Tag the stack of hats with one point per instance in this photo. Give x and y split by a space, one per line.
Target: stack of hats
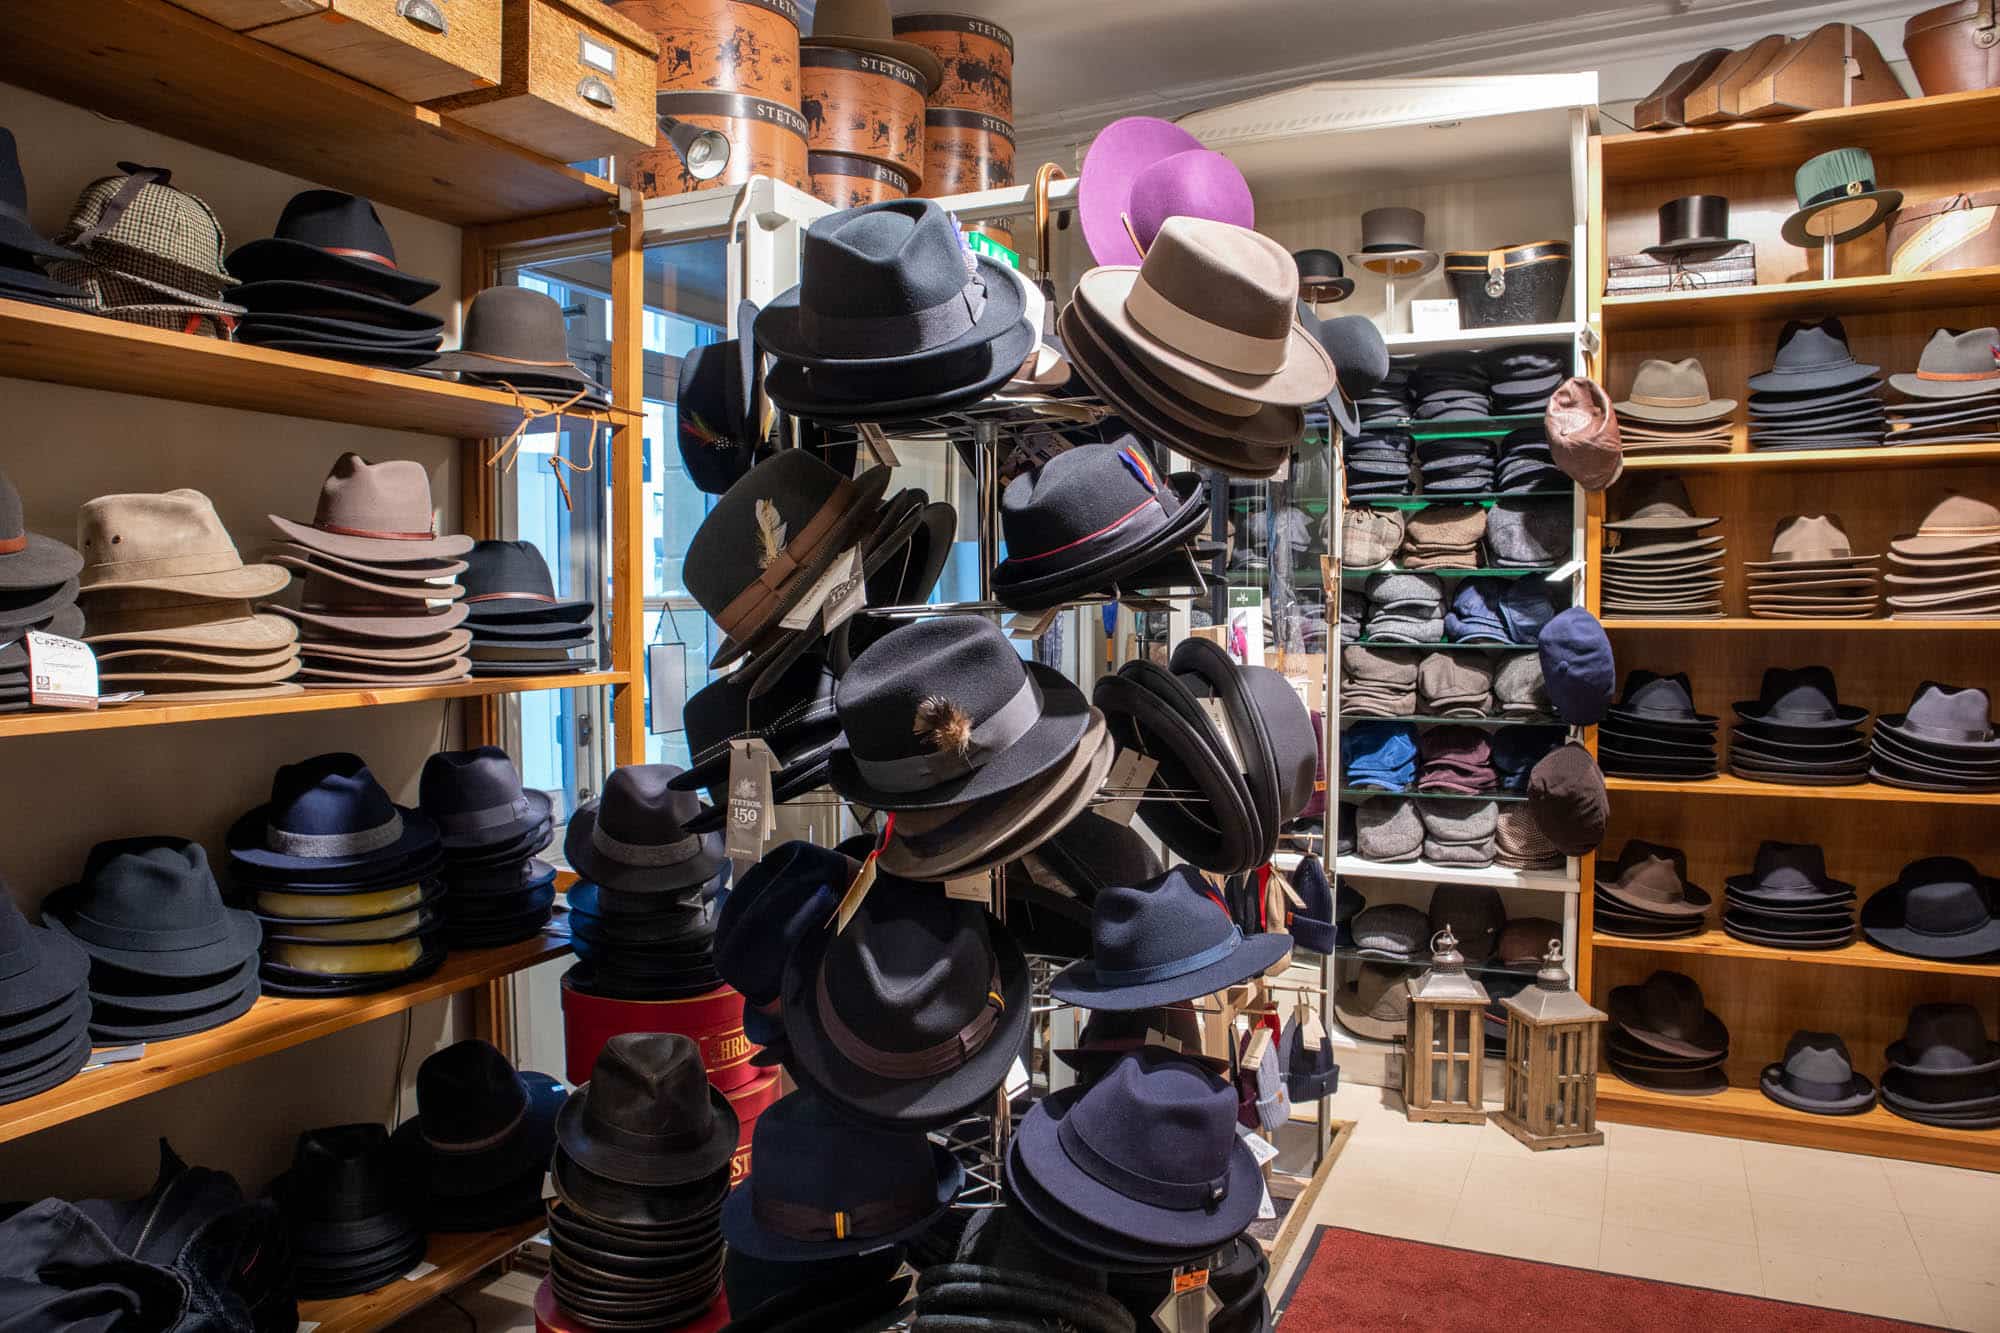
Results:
640 915
1520 844
1447 684
1516 751
1143 339
1374 1002
1663 1037
491 827
793 714
1524 376
1456 761
351 1221
1954 394
1379 756
1388 829
344 881
167 958
1224 799
516 338
1474 914
475 1153
1939 907
1527 463
1454 464
1817 1076
22 248
150 551
1946 1069
1450 386
1527 534
1949 568
519 626
1460 833
148 254
1813 573
1670 410
378 607
1653 731
1798 731
1788 901
1370 538
641 1170
1004 1276
1520 690
44 1005
1645 894
1403 608
1816 395
1352 608
325 283
1392 933
1945 741
1444 536
1661 565
38 591
1378 460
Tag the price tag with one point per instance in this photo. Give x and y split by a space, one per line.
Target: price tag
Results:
1260 1147
548 1186
62 673
1190 1306
1155 1037
116 1055
1266 1210
596 54
849 595
877 444
864 878
972 889
809 606
1131 771
1254 1049
751 820
420 1272
1311 1030
1219 715
1025 626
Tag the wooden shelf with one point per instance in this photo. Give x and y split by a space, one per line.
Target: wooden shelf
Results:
1821 460
88 351
1730 786
1752 623
1916 125
1499 335
1748 1113
272 1025
1793 300
454 1260
1713 943
180 75
142 714
1423 872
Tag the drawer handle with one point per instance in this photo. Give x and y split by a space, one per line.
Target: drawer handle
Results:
425 14
596 92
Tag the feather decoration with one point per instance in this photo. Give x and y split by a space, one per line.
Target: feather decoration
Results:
944 724
770 534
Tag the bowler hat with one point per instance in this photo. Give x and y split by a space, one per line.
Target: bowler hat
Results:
152 906
334 238
1162 942
1139 172
648 1116
1817 1075
1322 280
634 837
480 1126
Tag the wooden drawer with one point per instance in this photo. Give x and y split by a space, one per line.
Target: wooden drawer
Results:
577 82
242 14
419 50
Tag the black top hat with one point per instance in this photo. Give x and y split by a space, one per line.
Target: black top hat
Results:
476 799
38 967
1086 518
329 813
649 1115
1805 698
28 560
1818 1075
945 712
1163 942
509 581
634 837
1322 280
340 1197
1693 222
334 238
16 231
152 906
1939 907
805 1202
1812 354
479 1124
910 1016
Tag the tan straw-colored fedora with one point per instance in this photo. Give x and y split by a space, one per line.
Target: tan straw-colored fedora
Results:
172 542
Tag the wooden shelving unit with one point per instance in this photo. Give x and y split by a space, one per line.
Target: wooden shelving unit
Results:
452 1260
1929 148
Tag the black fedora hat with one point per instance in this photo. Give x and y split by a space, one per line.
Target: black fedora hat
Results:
1666 1013
1804 699
476 799
479 1123
509 582
1266 710
33 568
1948 721
1086 518
1651 699
1940 907
1945 1039
648 1116
823 1186
1817 1075
152 905
1322 279
334 238
905 573
910 1016
795 716
634 837
1692 222
1360 359
1148 708
517 334
138 994
1163 942
341 1199
329 813
38 967
945 712
288 296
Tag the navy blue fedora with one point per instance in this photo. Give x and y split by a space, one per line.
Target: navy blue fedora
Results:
1162 942
824 1186
779 901
38 967
634 838
327 813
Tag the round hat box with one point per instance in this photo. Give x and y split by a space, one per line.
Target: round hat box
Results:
552 1318
865 105
846 181
724 46
965 151
714 1022
978 60
749 1101
765 139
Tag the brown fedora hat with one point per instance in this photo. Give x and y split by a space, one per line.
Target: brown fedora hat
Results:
342 611
154 657
146 679
172 542
1218 304
418 589
379 569
419 650
375 512
149 619
323 678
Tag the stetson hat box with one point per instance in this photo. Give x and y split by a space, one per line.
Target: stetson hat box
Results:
978 59
714 1022
725 46
766 138
863 104
1514 284
847 181
1962 231
965 151
750 1100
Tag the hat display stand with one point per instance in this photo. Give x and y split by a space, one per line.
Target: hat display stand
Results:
1849 596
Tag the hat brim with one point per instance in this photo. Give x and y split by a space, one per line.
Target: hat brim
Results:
744 1232
1078 984
240 937
1151 713
1710 1042
33 1045
1883 922
1325 291
245 845
1103 570
44 563
258 633
362 354
31 605
317 327
109 1025
1065 1233
300 983
283 296
1306 375
166 999
1715 409
1849 375
779 332
1208 664
1119 154
418 589
433 623
372 550
1796 227
281 258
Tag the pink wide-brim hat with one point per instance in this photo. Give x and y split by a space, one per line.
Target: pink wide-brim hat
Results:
1149 170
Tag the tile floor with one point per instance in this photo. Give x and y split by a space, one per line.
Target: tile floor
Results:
1899 1239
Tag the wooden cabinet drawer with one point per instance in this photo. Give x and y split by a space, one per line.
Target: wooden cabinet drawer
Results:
577 82
242 14
419 50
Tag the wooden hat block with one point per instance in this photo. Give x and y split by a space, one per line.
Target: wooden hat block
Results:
1714 102
1813 74
1665 108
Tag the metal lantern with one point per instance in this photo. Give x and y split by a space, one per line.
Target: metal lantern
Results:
1551 1097
1447 1040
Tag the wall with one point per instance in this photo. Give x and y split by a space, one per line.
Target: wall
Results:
63 793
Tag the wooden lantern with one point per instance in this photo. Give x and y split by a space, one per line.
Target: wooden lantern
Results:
1447 1040
1551 1097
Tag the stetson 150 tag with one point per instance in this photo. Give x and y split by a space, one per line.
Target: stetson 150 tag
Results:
816 598
1130 773
750 820
877 443
850 594
62 673
975 888
1219 715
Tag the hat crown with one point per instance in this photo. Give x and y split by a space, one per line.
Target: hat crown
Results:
1946 1037
1818 1057
455 781
1809 345
1392 229
1658 696
335 221
1079 495
871 1165
149 884
651 1084
1959 713
506 569
328 794
1945 905
638 807
1671 1004
15 934
913 969
1837 168
181 526
1660 497
467 1093
1226 275
891 697
1195 183
1951 352
1811 537
1789 866
387 499
1961 515
156 219
1397 926
726 554
1318 265
1694 215
1807 694
340 1173
1161 921
1670 383
883 261
1159 1117
516 322
1653 878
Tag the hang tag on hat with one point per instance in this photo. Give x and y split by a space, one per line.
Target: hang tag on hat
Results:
876 442
1130 772
1155 1037
975 888
1026 626
62 673
750 820
864 878
116 1055
1285 883
548 1186
1260 1147
1311 1030
1253 1050
1190 1306
420 1272
1219 715
820 595
849 595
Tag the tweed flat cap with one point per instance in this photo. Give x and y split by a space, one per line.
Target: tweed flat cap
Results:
1518 686
1519 842
1418 591
1528 533
1388 828
1470 855
1385 666
1445 525
1369 537
1459 821
1455 683
1391 928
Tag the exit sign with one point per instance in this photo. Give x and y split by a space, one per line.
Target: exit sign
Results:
982 244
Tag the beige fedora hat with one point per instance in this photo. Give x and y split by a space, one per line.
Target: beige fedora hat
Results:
1809 542
448 644
1192 404
419 589
1956 525
156 620
171 542
1673 391
379 513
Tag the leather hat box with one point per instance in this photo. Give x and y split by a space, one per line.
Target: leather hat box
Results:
420 51
1962 231
1955 48
1515 284
1812 73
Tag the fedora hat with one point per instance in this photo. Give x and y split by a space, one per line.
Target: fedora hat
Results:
1653 879
334 238
1110 1034
1162 942
1801 699
1957 525
328 813
1666 1013
1787 873
634 837
152 906
507 583
1955 364
648 1116
1673 391
904 573
378 513
865 25
1947 721
1838 199
1808 542
1939 907
479 1126
17 229
1139 172
1944 1040
39 967
910 1016
171 542
348 1220
29 562
1660 504
794 715
1322 280
1812 357
517 334
174 622
1360 359
1086 518
476 799
1375 1003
